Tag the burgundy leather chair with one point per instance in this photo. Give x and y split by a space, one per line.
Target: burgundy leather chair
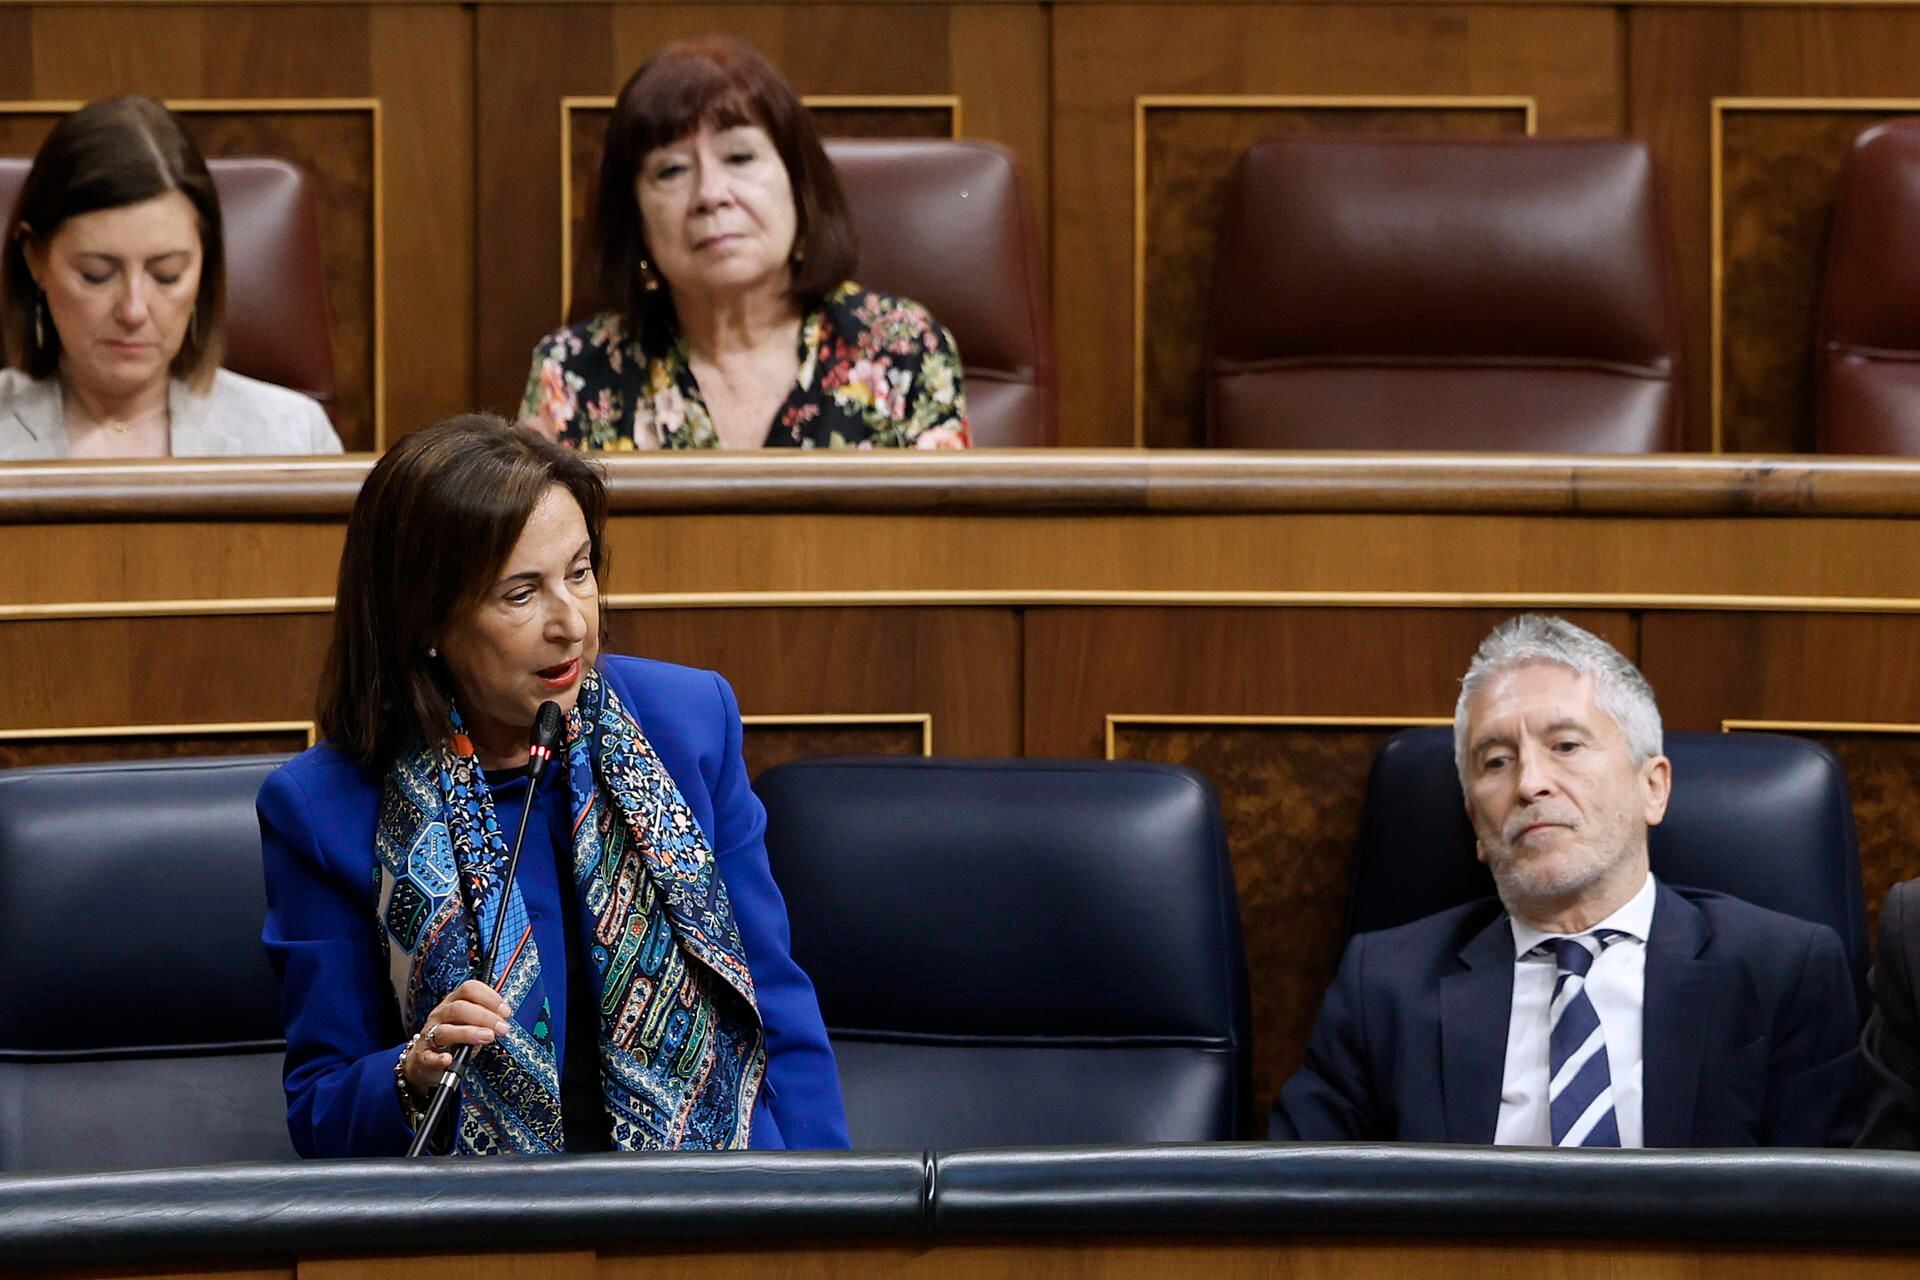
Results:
277 327
1868 348
947 224
1509 295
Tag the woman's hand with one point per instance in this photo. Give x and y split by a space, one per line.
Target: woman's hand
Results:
473 1013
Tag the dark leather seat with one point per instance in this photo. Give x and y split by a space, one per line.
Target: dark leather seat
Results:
1758 816
277 327
1444 294
947 224
1017 951
1868 349
139 1019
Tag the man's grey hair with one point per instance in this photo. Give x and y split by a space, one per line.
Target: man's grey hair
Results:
1619 688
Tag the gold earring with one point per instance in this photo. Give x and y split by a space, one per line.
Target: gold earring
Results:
799 253
648 281
40 322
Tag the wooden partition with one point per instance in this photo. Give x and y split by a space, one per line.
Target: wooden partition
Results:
455 146
1352 1259
1266 619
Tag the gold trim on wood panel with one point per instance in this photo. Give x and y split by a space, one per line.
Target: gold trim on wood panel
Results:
207 729
1816 726
1114 722
1018 597
312 106
1717 211
779 721
237 607
1143 103
569 103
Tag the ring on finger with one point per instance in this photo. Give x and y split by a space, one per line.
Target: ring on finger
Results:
433 1037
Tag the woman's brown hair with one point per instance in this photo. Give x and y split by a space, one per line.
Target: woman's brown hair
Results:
723 83
436 519
106 155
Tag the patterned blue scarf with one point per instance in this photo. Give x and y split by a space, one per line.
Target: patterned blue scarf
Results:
682 1051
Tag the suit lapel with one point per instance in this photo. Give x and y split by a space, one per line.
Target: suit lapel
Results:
1474 1013
37 422
1679 1000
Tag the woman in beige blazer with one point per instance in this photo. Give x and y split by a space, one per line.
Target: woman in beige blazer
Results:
112 290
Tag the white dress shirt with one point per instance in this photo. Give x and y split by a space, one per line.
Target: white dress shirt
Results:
1616 985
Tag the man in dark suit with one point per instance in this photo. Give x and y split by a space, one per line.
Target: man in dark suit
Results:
1891 1046
1590 1005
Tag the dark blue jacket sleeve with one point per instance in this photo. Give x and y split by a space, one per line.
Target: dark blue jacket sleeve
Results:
1813 1075
1327 1098
343 1034
802 1081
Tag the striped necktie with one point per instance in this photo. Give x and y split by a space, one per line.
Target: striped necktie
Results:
1580 1087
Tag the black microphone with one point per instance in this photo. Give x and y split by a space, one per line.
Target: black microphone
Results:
548 724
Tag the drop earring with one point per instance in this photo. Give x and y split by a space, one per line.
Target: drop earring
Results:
40 322
648 280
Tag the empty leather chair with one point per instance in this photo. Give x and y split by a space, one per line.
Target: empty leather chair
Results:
1868 348
139 1018
1014 952
1754 815
277 327
946 224
1444 294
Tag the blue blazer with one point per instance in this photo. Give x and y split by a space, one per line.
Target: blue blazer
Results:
317 819
1750 1031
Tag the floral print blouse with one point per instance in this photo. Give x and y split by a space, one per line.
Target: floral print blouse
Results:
875 372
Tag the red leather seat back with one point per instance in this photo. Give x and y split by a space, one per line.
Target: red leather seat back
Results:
1868 350
277 327
947 224
1445 294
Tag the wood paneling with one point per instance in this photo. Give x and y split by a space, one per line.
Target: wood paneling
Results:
961 666
1680 58
1817 670
424 74
768 745
1779 173
1106 56
845 49
468 1266
134 671
1189 151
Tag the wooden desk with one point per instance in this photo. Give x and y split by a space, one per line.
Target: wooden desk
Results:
1267 619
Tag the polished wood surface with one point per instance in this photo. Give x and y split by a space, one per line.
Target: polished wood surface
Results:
1015 482
1265 619
1279 1259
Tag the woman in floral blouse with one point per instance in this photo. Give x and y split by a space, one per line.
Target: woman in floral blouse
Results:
725 237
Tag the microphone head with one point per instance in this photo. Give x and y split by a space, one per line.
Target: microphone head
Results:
549 722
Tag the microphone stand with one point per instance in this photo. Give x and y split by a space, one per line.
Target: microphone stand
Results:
546 734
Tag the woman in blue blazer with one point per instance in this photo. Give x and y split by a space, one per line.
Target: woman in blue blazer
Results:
644 996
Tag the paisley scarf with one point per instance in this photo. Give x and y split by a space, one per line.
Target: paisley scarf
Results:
682 1050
